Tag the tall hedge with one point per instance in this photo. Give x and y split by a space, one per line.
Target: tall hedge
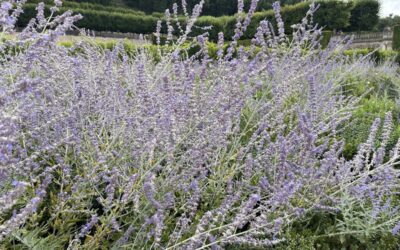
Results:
106 21
102 20
210 8
364 15
396 38
104 2
332 14
326 37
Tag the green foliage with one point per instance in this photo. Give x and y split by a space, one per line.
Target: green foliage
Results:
355 225
358 129
380 94
396 38
364 15
389 21
36 239
379 55
332 14
150 6
103 2
326 37
102 20
267 4
100 7
211 7
106 21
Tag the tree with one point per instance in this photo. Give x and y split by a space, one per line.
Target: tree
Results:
396 37
389 21
364 15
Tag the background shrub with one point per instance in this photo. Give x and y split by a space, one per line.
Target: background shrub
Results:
396 37
326 37
364 15
332 15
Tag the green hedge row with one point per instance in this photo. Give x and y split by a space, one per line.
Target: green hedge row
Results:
104 2
326 38
90 5
332 14
210 7
102 20
364 15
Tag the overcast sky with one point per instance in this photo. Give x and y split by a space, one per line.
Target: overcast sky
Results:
390 7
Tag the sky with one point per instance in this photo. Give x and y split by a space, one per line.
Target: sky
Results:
390 7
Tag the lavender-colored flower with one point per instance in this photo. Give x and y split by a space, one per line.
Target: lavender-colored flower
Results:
396 229
124 239
281 27
128 188
6 6
88 226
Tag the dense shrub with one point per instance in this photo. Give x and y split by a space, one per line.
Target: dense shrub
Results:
388 22
74 2
101 149
326 37
396 38
103 2
267 4
102 20
331 15
211 7
92 6
364 15
150 6
214 8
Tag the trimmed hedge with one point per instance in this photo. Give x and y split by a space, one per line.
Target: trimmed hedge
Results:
106 21
377 55
103 2
99 7
102 20
396 38
326 37
364 15
332 14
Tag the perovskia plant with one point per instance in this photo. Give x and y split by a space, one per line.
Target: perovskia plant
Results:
99 149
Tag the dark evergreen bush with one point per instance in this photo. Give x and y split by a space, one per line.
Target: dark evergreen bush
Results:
396 38
364 15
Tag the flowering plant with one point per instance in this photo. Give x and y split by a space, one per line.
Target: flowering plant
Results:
99 149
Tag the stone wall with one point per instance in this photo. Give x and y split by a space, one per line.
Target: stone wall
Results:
375 40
